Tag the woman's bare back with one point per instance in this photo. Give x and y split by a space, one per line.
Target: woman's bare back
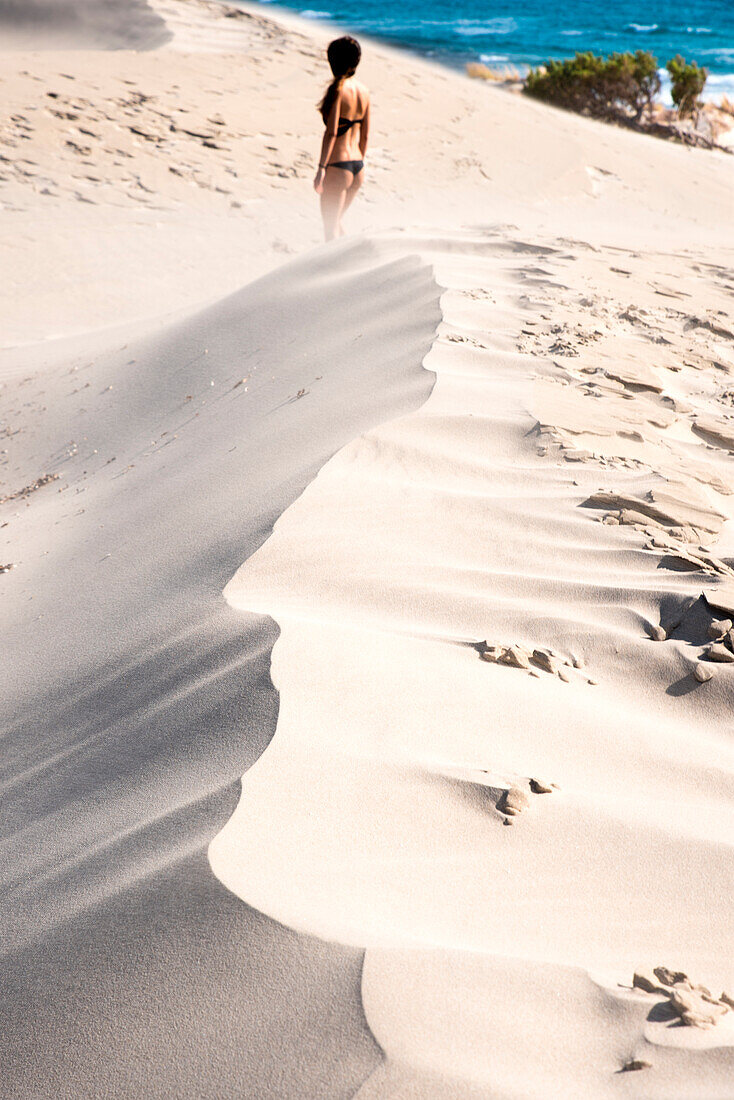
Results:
353 104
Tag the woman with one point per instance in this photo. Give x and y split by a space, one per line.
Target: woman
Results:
345 110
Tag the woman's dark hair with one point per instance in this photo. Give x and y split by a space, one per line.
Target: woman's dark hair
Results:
343 54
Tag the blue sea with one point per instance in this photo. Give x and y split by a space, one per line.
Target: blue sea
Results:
508 32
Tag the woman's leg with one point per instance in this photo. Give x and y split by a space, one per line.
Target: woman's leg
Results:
352 190
336 183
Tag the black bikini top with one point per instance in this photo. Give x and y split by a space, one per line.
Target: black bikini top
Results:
346 124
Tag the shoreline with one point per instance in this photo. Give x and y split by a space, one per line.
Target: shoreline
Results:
457 61
664 125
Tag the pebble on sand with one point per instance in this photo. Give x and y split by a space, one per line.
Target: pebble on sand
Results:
513 801
718 628
701 673
647 984
537 786
693 1004
634 1064
544 660
518 658
720 653
669 977
695 1008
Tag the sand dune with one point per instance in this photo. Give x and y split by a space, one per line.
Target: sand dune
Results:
367 724
396 744
136 698
81 24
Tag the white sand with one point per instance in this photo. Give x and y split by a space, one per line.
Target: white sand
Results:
136 698
585 343
376 799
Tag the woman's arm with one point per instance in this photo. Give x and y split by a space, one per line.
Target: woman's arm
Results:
364 130
327 145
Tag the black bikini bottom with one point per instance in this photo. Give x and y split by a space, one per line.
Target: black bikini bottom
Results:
353 166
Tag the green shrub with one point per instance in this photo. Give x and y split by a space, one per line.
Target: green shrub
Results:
686 84
622 85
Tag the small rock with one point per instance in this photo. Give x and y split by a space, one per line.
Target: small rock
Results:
718 652
629 516
669 977
657 633
693 1009
725 999
492 653
579 662
506 821
545 661
518 658
594 683
646 983
534 673
701 673
513 801
634 1064
538 787
718 628
564 676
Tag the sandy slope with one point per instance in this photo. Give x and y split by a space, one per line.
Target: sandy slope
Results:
136 698
84 24
396 742
585 344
